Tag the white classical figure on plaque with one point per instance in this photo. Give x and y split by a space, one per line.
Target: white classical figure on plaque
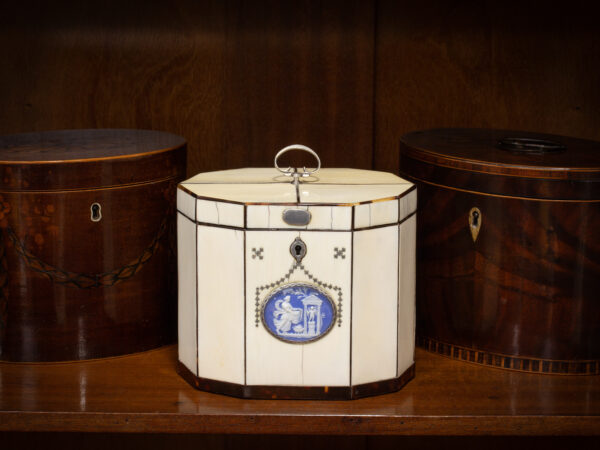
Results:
312 315
285 315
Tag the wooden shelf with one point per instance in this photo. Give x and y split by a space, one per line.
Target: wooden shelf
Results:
142 393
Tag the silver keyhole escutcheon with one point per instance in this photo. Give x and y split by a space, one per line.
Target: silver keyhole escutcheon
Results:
298 249
96 212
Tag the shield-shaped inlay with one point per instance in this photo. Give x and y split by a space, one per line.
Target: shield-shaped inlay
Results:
298 313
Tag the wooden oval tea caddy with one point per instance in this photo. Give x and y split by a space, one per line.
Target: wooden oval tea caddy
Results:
515 286
87 255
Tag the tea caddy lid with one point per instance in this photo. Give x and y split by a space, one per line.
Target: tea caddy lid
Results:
88 159
297 186
503 162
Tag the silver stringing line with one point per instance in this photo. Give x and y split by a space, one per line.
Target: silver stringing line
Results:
296 182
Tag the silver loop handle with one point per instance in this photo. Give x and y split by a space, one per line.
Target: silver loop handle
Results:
289 171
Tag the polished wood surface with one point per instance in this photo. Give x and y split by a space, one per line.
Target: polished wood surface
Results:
89 145
523 295
143 393
73 288
87 159
481 150
549 189
472 160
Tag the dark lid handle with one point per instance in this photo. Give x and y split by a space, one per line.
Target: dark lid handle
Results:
529 145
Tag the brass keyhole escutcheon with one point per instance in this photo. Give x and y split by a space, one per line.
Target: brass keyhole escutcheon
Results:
474 222
95 212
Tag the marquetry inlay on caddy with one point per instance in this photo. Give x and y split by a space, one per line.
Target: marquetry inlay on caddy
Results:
491 359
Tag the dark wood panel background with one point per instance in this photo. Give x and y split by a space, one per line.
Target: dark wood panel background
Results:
490 64
241 79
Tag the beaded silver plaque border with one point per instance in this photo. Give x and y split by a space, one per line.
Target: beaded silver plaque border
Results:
298 284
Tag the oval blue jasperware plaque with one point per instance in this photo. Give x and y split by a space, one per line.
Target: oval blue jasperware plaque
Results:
298 313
